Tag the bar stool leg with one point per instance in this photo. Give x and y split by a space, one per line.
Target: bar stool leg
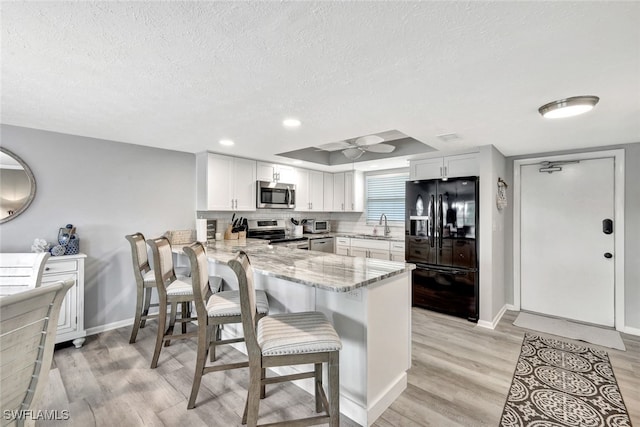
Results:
136 322
317 385
162 320
334 388
147 304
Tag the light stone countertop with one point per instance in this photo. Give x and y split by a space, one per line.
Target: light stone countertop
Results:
332 272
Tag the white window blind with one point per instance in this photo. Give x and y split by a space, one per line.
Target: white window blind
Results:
385 195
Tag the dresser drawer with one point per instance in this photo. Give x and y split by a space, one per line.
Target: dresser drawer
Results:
55 266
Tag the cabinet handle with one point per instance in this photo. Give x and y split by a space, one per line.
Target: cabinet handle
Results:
445 171
342 206
47 268
311 205
441 174
231 203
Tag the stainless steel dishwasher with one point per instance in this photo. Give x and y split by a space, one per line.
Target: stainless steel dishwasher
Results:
324 244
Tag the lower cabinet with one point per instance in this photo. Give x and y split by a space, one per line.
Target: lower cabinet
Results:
370 248
71 320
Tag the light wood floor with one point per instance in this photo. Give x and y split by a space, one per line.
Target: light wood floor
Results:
460 375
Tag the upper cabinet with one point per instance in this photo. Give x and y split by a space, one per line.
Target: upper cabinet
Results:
445 167
225 183
274 172
310 191
348 192
328 191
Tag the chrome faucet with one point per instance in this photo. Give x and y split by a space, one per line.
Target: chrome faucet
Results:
387 230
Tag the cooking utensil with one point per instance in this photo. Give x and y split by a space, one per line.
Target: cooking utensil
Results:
294 222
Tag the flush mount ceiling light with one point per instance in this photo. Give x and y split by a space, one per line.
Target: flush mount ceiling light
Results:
568 107
226 142
291 123
369 143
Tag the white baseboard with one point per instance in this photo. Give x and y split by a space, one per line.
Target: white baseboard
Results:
631 330
512 307
495 321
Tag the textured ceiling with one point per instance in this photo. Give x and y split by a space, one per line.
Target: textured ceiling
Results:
182 75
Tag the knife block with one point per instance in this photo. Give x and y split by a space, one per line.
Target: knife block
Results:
228 235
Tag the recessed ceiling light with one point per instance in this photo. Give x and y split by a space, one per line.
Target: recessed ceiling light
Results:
291 123
568 107
226 142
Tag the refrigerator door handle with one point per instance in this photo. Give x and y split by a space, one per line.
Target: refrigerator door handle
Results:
440 270
432 221
440 224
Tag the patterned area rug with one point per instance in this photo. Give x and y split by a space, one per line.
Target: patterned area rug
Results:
557 383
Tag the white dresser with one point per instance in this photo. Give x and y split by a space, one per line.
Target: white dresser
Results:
71 320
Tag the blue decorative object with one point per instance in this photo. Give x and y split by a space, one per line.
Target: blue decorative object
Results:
68 240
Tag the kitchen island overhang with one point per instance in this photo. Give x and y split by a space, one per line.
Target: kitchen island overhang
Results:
367 300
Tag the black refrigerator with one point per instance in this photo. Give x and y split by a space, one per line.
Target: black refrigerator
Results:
441 236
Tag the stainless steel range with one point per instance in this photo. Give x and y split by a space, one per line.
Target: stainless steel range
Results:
275 231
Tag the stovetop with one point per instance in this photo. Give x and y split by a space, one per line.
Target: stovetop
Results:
273 230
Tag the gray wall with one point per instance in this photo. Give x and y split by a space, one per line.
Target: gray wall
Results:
631 232
106 189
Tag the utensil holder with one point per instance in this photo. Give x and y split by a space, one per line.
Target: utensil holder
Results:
229 235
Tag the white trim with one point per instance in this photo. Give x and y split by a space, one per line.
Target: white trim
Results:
631 331
512 307
495 321
618 160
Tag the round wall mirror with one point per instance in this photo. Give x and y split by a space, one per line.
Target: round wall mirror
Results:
17 185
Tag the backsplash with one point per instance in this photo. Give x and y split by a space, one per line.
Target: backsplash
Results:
341 222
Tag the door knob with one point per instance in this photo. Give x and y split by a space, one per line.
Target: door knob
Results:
608 255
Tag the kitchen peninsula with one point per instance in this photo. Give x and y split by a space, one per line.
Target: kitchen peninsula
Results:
367 300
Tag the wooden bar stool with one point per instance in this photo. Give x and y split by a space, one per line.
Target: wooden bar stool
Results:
218 308
145 283
172 292
283 340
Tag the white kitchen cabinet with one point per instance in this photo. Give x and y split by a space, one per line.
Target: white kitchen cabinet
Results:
445 167
342 245
369 248
275 172
71 320
328 192
396 251
225 183
348 192
310 191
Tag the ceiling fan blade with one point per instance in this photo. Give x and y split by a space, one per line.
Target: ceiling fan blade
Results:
380 148
368 140
334 146
353 153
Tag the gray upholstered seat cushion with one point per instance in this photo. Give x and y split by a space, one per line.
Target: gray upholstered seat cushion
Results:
180 287
295 333
227 303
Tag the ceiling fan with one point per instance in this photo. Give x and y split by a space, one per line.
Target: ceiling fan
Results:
371 143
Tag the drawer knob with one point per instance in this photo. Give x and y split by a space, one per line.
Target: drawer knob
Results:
47 269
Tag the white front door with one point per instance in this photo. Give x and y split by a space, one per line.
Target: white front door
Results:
566 270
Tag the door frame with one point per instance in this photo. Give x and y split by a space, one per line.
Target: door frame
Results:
618 183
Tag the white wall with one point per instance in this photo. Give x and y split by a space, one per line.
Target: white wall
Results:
491 237
631 232
107 190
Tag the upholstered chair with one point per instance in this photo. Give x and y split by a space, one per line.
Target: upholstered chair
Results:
28 327
214 309
172 291
283 340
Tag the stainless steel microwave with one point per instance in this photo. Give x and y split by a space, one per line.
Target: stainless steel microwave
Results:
316 226
275 195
